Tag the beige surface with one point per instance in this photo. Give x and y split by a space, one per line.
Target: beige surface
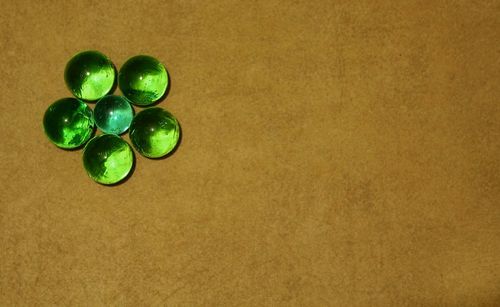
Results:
337 153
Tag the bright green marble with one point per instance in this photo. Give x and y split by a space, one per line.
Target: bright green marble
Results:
154 132
89 75
68 123
108 159
143 80
113 114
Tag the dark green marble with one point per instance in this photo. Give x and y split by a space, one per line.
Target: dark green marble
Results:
108 159
89 75
68 123
143 80
154 132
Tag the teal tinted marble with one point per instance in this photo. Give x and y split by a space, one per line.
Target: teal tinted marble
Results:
113 114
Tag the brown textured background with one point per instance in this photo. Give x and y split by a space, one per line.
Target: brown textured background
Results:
339 153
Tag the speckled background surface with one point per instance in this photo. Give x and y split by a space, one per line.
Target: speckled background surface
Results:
334 153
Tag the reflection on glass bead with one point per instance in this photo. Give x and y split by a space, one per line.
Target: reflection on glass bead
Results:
143 80
68 123
113 114
108 159
154 132
89 75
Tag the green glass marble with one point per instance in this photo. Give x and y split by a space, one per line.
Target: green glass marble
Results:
89 75
143 80
154 132
108 159
68 123
113 114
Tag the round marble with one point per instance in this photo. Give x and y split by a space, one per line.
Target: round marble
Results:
108 159
89 75
68 123
143 80
113 114
154 132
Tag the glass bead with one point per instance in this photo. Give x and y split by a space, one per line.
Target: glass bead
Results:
154 132
143 80
108 159
68 123
113 114
89 75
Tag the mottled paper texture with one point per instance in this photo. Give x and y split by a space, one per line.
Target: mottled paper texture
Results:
334 153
